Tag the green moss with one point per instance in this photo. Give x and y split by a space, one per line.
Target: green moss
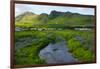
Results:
79 51
83 55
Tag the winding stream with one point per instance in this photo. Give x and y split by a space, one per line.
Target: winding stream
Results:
56 53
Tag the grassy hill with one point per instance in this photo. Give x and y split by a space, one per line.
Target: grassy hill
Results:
28 19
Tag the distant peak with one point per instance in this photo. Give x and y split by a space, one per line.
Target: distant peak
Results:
68 12
43 14
54 11
28 13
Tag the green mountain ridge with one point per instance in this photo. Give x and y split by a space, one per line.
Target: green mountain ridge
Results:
55 17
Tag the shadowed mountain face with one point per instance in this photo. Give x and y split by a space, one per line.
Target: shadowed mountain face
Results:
55 17
55 14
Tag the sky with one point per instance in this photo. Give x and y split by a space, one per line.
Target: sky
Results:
38 9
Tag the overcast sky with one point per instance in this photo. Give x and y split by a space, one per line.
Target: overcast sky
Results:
38 9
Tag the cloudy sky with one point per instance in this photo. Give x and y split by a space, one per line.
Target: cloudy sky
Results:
38 9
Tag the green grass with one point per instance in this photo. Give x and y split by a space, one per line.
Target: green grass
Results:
29 54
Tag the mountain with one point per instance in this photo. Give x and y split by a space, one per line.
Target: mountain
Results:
71 18
26 19
55 14
18 18
55 17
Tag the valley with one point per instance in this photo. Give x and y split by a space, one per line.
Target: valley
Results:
65 34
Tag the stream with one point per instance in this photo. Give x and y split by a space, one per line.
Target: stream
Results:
56 53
